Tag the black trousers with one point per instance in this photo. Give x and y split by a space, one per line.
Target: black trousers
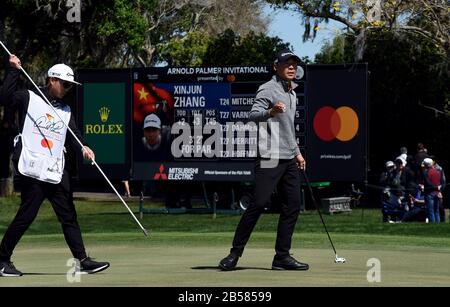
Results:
33 193
287 177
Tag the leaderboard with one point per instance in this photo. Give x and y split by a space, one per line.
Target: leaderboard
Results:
210 106
205 128
202 118
219 112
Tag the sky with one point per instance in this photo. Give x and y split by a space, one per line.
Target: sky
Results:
288 26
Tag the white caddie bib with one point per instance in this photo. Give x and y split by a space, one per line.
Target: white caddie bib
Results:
43 137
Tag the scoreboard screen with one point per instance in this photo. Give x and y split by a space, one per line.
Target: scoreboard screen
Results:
192 123
204 128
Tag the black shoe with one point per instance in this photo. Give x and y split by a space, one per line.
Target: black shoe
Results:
89 266
288 263
7 269
229 262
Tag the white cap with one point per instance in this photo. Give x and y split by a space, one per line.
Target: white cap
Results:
427 162
63 72
152 120
389 164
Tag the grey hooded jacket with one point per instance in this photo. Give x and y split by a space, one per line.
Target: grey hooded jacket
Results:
267 96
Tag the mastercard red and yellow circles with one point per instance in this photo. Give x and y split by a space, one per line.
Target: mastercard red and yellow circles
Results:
341 124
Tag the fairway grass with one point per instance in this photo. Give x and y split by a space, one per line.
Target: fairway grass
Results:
190 260
183 250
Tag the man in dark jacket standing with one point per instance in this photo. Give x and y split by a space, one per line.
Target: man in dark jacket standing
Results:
39 159
275 104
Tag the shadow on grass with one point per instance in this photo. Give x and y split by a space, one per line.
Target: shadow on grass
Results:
216 268
44 274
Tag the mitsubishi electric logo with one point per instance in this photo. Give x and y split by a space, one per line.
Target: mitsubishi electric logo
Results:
161 175
104 128
176 173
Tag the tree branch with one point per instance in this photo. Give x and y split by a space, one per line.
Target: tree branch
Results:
329 15
419 31
436 18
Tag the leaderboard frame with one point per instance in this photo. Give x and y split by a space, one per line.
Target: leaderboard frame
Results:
199 104
195 99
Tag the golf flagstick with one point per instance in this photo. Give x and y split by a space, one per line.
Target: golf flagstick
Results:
336 259
79 142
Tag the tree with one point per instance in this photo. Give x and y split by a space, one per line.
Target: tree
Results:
407 46
340 50
122 33
45 36
241 17
229 48
186 51
427 18
119 33
232 49
406 73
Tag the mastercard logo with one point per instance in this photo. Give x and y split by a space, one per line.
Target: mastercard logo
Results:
341 124
231 78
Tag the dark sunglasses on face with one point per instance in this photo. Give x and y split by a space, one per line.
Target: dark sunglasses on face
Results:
289 64
67 85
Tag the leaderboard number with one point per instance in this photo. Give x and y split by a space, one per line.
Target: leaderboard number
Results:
224 115
243 296
224 101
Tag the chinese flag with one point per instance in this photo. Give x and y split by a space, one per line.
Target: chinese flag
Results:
149 99
143 103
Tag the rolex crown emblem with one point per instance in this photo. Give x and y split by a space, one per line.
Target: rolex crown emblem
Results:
104 114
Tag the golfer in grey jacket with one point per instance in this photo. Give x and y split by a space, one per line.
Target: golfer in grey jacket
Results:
278 164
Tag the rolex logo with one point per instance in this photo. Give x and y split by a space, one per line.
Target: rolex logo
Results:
104 128
104 114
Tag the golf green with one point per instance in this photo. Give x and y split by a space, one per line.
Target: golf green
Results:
190 260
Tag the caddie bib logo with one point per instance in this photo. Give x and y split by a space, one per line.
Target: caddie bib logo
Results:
43 137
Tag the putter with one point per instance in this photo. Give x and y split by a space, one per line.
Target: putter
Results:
79 142
337 259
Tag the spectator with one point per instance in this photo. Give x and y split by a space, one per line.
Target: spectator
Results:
126 186
421 154
403 177
417 210
434 179
403 154
387 175
440 195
